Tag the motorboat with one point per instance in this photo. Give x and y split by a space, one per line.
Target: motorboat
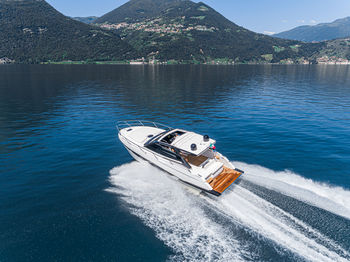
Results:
188 156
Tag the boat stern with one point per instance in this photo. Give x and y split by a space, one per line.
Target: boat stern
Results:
224 180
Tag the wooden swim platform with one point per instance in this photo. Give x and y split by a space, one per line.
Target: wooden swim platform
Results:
224 180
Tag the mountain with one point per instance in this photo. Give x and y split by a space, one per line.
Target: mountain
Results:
162 30
137 10
32 31
327 31
86 20
187 31
334 50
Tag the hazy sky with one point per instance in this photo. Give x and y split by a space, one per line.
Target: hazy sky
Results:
257 15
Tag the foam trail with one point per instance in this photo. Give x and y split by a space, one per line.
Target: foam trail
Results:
179 219
270 221
163 205
333 199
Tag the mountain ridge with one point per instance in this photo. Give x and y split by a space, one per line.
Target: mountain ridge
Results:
179 31
33 31
337 29
185 30
85 19
135 10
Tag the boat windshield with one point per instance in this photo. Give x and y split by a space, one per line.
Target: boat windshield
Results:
155 138
169 139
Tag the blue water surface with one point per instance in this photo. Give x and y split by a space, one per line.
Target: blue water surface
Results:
58 143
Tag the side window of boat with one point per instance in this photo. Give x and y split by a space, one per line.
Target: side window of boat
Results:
154 147
164 151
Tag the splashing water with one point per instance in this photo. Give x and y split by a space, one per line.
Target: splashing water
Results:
332 199
177 220
182 221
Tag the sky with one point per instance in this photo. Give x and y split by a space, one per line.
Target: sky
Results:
263 16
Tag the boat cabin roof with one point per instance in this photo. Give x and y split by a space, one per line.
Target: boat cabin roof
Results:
189 142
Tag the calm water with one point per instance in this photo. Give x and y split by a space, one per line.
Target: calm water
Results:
70 192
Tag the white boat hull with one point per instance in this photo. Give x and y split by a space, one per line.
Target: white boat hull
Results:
170 167
203 169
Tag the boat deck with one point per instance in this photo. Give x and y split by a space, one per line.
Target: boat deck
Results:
195 160
224 180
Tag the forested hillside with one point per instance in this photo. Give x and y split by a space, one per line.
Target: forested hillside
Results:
179 31
32 31
184 30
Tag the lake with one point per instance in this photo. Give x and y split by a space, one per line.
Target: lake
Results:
69 191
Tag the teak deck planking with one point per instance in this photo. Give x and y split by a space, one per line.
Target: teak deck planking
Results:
195 160
224 180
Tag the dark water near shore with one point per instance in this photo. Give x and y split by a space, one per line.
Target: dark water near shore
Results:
70 192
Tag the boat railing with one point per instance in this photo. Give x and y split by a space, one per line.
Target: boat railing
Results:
132 123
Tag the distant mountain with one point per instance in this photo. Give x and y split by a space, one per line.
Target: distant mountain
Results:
187 31
327 31
32 31
86 20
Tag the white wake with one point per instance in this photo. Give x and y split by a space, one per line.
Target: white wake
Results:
332 199
164 205
181 222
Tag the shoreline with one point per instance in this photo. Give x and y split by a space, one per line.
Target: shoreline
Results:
166 63
171 63
174 62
